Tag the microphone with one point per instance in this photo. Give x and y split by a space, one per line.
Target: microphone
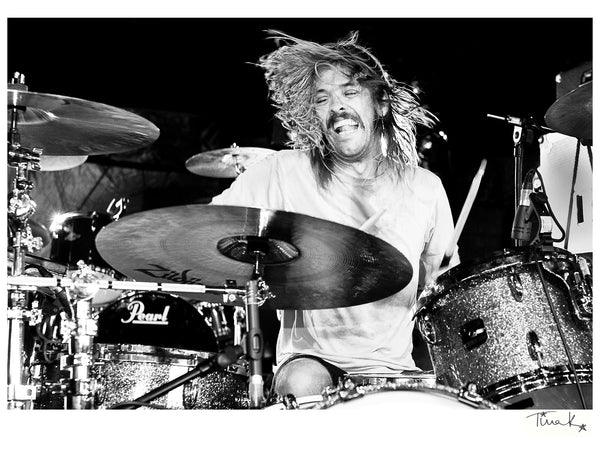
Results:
522 224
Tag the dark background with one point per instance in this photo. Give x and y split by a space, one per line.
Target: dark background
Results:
195 80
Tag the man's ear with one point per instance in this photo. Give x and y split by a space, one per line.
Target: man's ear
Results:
384 106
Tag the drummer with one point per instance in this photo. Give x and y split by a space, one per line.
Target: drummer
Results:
352 161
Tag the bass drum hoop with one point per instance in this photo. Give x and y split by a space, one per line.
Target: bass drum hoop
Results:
341 395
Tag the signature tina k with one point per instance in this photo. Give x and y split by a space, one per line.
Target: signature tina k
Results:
549 419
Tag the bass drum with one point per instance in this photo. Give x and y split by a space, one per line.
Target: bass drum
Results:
73 240
147 339
489 323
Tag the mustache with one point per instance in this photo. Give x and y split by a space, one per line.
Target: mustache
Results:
333 117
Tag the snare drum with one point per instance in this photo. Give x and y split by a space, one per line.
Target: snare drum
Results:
147 339
489 323
73 240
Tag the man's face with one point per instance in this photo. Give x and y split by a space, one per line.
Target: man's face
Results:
347 113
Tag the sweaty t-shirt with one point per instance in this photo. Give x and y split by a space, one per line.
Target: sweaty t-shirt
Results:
412 214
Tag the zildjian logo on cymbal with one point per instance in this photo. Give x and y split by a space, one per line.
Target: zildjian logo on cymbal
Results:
171 275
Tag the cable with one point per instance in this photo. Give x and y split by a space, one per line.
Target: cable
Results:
561 333
550 210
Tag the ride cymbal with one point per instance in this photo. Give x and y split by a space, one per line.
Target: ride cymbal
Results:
308 263
571 114
67 126
226 162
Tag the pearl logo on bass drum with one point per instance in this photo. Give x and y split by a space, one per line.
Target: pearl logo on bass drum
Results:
138 316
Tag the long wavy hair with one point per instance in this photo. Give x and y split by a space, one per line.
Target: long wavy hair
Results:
291 72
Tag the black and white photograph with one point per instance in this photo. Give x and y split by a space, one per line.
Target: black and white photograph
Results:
381 215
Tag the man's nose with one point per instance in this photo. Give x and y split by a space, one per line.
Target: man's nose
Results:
337 103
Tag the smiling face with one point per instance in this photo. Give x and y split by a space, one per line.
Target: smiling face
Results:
347 113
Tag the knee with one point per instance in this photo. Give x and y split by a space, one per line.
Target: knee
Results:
302 377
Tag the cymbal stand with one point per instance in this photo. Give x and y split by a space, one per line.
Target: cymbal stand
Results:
239 168
21 207
80 388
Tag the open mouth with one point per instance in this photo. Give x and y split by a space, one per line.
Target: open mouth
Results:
344 126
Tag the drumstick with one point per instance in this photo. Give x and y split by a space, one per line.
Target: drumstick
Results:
466 209
371 220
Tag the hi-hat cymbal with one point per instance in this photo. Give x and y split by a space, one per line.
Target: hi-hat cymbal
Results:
226 162
309 263
571 114
67 126
56 163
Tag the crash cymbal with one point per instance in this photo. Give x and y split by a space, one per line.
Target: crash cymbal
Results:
571 114
226 162
309 263
67 126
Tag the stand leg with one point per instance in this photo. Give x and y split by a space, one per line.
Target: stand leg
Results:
20 394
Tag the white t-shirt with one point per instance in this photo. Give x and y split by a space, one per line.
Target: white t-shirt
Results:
414 216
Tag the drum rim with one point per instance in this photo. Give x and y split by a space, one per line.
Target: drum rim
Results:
121 352
535 380
334 397
452 280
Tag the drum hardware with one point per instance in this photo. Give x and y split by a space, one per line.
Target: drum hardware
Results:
226 162
80 333
535 348
239 320
515 284
512 392
214 315
349 394
21 207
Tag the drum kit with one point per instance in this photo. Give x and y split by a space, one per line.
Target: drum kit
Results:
128 312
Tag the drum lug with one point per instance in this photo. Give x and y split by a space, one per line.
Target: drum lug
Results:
516 285
427 329
290 402
469 395
535 348
473 333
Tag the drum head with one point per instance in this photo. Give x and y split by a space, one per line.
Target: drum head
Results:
73 238
155 319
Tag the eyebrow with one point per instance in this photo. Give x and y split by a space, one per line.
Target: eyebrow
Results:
347 84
